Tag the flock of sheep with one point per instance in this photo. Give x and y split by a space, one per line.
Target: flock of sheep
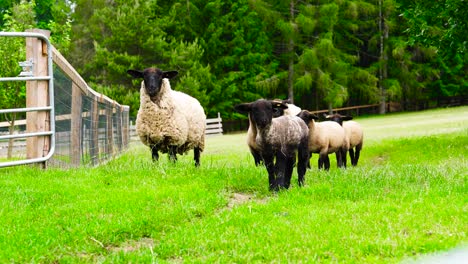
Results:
174 122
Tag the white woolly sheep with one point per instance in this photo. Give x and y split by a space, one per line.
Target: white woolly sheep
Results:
278 138
324 138
252 131
168 121
354 136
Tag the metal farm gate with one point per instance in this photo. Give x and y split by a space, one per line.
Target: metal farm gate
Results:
40 117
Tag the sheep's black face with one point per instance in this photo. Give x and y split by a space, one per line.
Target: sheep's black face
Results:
262 112
153 78
338 118
307 117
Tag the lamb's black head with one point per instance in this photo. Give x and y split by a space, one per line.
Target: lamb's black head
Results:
261 111
307 116
279 111
338 118
153 78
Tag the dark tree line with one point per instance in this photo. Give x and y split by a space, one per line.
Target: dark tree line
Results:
321 54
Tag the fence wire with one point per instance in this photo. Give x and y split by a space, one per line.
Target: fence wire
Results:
103 129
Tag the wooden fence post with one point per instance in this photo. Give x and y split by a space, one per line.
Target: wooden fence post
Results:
110 129
37 94
76 125
94 144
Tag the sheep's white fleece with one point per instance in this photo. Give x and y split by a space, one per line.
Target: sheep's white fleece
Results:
354 134
292 110
172 118
325 137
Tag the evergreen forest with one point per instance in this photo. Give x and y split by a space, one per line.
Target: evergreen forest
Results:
322 54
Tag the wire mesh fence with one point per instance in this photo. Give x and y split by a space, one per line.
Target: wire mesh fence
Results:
89 127
94 132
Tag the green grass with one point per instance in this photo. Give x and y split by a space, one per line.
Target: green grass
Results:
407 198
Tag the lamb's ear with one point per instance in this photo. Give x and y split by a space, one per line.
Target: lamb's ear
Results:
170 74
135 73
313 116
276 104
346 118
243 108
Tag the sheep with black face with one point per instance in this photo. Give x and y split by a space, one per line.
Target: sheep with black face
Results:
168 121
252 131
324 138
278 139
354 136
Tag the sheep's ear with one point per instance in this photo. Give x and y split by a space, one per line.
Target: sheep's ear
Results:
312 116
327 116
243 108
346 118
276 104
170 74
135 73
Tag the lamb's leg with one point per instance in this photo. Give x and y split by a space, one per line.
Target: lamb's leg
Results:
308 160
280 169
343 157
196 156
268 159
173 153
358 152
352 157
325 161
154 153
257 157
302 163
339 161
290 161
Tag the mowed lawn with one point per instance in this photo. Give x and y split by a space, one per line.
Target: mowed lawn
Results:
406 199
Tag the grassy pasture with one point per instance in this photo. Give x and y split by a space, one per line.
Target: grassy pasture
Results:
406 198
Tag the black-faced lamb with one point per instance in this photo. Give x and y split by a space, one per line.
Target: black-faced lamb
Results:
252 131
354 136
278 138
324 138
168 121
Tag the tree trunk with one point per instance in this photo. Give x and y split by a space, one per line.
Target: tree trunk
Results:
383 63
291 58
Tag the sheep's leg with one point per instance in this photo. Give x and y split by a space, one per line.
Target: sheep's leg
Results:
268 159
351 156
308 160
196 156
358 152
338 158
173 153
290 161
320 162
280 169
257 157
343 157
302 163
324 161
154 153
